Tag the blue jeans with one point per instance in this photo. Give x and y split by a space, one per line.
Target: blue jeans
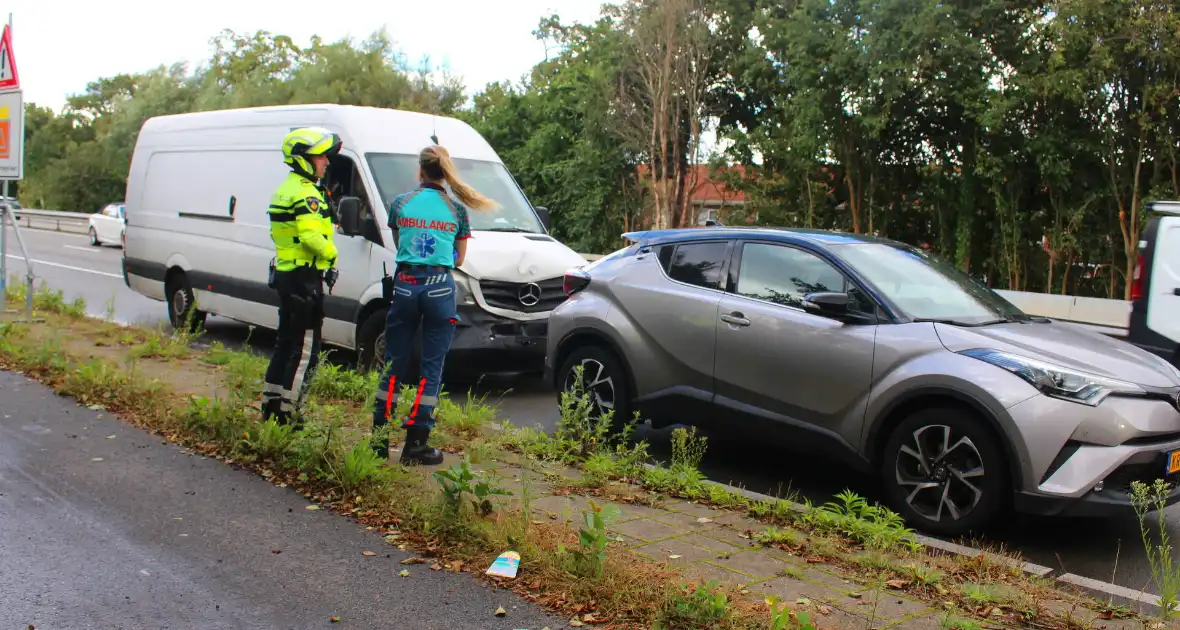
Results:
425 297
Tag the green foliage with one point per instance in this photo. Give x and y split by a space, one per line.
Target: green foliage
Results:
781 617
581 435
588 559
875 526
270 440
78 158
1165 570
333 382
45 300
467 419
701 606
359 466
461 485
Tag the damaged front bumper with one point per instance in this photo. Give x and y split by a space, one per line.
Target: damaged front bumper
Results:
499 344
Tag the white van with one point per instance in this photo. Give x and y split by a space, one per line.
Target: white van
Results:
197 227
1155 287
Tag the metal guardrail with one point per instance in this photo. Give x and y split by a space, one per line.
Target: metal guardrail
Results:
55 220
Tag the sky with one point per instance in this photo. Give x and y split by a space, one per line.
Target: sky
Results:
61 45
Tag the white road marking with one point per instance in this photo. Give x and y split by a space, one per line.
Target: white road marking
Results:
70 267
88 250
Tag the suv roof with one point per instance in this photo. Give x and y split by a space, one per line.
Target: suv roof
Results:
828 237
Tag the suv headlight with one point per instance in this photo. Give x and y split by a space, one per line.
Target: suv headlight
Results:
1056 381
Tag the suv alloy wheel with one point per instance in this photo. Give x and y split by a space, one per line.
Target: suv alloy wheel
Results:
944 471
603 380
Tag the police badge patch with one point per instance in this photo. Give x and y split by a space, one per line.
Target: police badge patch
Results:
313 204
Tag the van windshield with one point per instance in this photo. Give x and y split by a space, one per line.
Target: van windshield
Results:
398 173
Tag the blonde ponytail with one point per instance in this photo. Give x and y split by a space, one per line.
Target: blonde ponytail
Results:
436 163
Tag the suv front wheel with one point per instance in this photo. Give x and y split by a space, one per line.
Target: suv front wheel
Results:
603 380
944 471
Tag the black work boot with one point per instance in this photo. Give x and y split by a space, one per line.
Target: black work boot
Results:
416 451
273 410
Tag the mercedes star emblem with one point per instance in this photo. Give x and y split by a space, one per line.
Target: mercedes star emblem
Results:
529 294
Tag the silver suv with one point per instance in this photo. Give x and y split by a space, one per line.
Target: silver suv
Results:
876 353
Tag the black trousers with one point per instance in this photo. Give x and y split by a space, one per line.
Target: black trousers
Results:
297 347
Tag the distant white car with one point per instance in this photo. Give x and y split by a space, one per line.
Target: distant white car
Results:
15 206
107 225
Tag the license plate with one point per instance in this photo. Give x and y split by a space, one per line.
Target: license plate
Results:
1173 462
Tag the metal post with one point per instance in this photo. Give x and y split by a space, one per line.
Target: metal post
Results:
4 251
4 215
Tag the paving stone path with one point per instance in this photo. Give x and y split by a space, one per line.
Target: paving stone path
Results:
712 544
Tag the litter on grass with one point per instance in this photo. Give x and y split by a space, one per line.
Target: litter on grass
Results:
506 565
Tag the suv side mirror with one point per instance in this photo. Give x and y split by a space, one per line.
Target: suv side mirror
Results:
826 303
543 215
350 216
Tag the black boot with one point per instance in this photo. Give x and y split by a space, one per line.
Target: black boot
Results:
416 450
273 410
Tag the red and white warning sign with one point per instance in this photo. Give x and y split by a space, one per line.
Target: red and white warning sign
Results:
9 77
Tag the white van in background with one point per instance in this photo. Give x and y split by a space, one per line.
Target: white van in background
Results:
1155 287
197 226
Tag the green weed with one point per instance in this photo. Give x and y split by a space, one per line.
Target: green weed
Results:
700 606
1165 571
359 467
270 440
875 526
588 559
332 382
781 617
460 486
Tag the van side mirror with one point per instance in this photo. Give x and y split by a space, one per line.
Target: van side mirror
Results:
543 215
830 304
350 216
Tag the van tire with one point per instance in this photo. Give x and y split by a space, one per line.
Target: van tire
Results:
179 295
371 347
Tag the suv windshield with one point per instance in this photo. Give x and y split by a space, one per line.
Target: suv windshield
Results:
398 173
927 288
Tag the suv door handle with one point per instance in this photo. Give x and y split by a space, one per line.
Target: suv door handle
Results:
735 318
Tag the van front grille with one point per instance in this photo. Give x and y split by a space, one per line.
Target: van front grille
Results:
542 296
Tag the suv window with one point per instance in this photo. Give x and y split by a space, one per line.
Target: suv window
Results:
697 264
783 275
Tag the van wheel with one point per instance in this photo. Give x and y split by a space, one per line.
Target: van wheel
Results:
603 380
944 472
94 242
180 301
371 348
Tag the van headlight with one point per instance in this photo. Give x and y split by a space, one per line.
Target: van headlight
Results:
1056 381
463 294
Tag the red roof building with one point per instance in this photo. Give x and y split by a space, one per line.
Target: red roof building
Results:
707 195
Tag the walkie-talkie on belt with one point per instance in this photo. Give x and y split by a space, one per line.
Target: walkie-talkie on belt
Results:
386 284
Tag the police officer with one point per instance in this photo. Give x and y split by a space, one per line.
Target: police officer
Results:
305 259
431 230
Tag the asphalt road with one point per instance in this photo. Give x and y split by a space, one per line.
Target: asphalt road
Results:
105 526
1108 549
